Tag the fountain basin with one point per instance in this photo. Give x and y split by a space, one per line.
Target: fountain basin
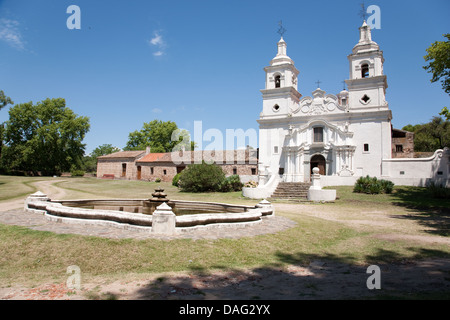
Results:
217 214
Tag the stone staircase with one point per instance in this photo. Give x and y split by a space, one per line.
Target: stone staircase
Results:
292 191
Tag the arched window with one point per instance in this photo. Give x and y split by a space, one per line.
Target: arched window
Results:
364 70
277 81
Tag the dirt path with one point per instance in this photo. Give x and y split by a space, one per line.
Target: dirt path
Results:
46 187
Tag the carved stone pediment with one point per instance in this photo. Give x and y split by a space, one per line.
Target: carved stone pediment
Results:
319 103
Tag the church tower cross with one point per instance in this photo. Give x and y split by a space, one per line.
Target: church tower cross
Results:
363 12
281 31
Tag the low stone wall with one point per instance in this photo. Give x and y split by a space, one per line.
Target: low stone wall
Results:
163 220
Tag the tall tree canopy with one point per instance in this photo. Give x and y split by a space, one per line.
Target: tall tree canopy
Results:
438 55
159 136
4 101
104 150
45 137
439 62
90 161
430 136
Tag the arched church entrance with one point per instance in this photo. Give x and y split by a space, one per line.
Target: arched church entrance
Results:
319 162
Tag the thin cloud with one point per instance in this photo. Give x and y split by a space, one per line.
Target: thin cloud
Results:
10 33
157 40
158 43
156 110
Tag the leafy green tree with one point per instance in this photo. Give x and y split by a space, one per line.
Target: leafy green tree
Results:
4 101
438 55
104 150
90 161
158 135
430 136
446 113
439 62
45 137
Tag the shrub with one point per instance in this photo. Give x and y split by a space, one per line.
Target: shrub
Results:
175 180
202 177
77 173
371 185
225 186
235 182
388 186
231 183
438 191
158 180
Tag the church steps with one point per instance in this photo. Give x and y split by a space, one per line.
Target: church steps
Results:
291 190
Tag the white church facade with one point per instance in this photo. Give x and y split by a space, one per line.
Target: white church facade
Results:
346 136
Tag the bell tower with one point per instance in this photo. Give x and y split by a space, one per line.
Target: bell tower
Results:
280 93
367 84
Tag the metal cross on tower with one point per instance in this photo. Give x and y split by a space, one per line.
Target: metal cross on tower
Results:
363 12
281 30
318 83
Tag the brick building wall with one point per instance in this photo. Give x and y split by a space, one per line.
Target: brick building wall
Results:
139 165
402 144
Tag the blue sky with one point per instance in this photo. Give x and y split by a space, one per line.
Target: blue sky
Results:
135 61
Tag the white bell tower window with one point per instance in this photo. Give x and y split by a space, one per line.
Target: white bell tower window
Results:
277 81
365 71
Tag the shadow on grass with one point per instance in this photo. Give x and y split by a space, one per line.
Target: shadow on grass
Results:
428 211
313 276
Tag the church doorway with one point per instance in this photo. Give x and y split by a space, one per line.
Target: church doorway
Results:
319 162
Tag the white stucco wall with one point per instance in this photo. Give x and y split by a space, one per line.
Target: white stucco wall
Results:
418 172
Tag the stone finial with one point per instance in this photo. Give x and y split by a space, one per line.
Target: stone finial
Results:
164 220
264 203
315 179
164 207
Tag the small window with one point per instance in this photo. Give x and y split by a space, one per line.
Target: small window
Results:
277 81
440 173
124 169
234 170
402 172
365 98
344 101
281 171
318 134
276 108
275 149
366 147
364 71
152 170
398 148
253 171
165 172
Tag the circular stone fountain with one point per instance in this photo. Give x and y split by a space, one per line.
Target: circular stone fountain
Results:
154 215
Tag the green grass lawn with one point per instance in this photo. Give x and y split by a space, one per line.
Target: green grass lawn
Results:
36 256
14 187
